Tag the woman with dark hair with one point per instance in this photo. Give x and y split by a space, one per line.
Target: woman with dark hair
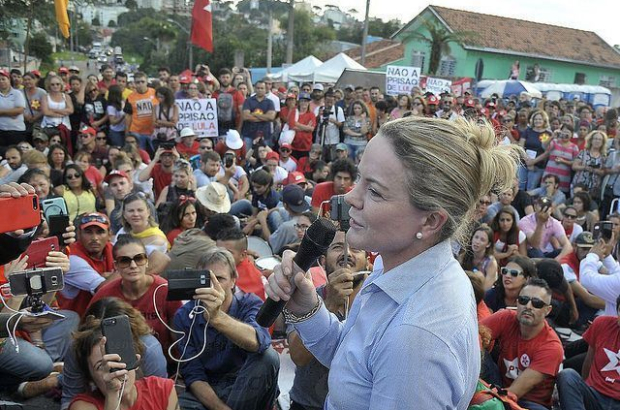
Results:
116 116
33 114
513 278
183 215
41 182
404 106
356 128
94 113
75 377
165 117
77 192
182 184
256 157
509 240
589 166
145 292
303 121
116 387
582 201
58 157
478 255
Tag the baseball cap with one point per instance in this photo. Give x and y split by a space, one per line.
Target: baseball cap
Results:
318 86
584 240
304 96
185 79
286 145
294 178
342 147
291 95
39 135
63 70
272 155
432 100
294 197
5 73
551 271
116 173
94 219
88 130
36 73
349 87
490 104
74 68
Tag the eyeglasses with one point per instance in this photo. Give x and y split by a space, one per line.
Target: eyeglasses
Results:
84 136
570 216
512 272
125 261
102 138
73 176
537 303
285 150
301 227
484 202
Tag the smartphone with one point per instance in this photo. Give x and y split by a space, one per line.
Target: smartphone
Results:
603 230
228 160
339 211
36 281
117 331
58 226
54 206
19 213
182 284
38 250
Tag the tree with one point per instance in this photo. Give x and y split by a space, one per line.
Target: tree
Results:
111 24
41 48
439 40
96 22
131 5
308 38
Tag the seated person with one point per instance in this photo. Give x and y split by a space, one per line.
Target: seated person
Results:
250 278
600 369
521 201
479 257
342 177
264 198
187 146
295 204
152 363
539 228
572 230
550 189
504 199
564 312
509 239
343 284
238 368
272 165
514 276
603 285
188 247
530 351
115 385
119 186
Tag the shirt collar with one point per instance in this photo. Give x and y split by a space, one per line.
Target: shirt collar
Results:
405 280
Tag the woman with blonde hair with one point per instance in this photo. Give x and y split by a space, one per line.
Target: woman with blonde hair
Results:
534 140
56 108
138 222
415 323
589 166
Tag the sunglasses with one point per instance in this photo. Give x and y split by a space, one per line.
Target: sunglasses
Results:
484 202
570 216
94 218
285 150
102 138
537 303
73 176
84 135
125 261
513 272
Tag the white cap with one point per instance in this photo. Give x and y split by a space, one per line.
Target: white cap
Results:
233 139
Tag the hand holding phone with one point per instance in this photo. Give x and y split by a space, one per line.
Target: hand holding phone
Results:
111 369
20 213
119 341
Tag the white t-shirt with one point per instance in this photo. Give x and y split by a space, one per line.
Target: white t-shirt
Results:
499 245
13 99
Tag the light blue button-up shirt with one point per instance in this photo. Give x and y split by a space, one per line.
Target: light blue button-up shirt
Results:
410 342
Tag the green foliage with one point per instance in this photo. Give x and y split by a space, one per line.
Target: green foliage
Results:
40 47
111 24
96 22
376 27
308 38
131 4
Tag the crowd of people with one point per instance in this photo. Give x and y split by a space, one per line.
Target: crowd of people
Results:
148 197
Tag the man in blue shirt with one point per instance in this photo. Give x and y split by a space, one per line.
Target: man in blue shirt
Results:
235 367
258 113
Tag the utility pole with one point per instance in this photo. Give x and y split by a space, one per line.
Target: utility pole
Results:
365 35
269 43
290 30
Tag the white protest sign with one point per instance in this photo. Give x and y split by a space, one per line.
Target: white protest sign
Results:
199 115
401 79
438 85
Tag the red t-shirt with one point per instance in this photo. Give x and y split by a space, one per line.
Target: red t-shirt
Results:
144 304
161 179
145 156
603 336
187 152
543 353
323 192
94 177
153 394
303 139
250 279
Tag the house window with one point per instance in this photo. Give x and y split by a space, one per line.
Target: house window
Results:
538 74
608 81
447 67
417 59
580 78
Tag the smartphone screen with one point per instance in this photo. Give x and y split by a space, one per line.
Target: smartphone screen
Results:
117 331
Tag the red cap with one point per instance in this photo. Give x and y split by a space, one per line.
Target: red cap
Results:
282 90
286 145
94 219
272 155
37 73
295 177
116 173
5 73
291 95
432 100
490 104
88 130
63 70
185 79
469 103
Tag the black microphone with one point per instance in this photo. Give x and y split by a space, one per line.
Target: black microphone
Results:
315 242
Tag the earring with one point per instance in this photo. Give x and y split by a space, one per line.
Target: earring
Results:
418 235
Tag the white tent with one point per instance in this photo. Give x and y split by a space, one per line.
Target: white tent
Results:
331 70
300 71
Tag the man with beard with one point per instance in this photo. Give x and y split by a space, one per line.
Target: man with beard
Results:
14 167
229 104
91 263
160 169
530 352
344 280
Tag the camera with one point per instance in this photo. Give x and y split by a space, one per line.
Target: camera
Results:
339 211
182 284
36 282
545 203
603 230
228 160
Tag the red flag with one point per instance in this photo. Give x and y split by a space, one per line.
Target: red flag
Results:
202 29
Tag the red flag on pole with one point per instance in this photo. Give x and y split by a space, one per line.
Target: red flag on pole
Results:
202 29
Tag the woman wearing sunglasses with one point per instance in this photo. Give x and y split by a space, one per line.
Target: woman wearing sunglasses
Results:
77 192
138 289
512 279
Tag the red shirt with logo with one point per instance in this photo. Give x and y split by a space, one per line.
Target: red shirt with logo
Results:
603 336
543 353
250 279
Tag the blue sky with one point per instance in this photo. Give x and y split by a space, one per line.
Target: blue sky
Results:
600 16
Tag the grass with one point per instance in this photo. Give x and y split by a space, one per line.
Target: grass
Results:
69 56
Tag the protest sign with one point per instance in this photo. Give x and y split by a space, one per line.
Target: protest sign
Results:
401 79
438 85
199 115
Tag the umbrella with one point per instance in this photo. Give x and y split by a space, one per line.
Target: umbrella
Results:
508 88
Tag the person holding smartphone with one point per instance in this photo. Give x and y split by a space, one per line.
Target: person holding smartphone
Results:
414 322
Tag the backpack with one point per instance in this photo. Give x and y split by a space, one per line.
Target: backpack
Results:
225 108
488 397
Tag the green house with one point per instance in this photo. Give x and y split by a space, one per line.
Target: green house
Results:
545 53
